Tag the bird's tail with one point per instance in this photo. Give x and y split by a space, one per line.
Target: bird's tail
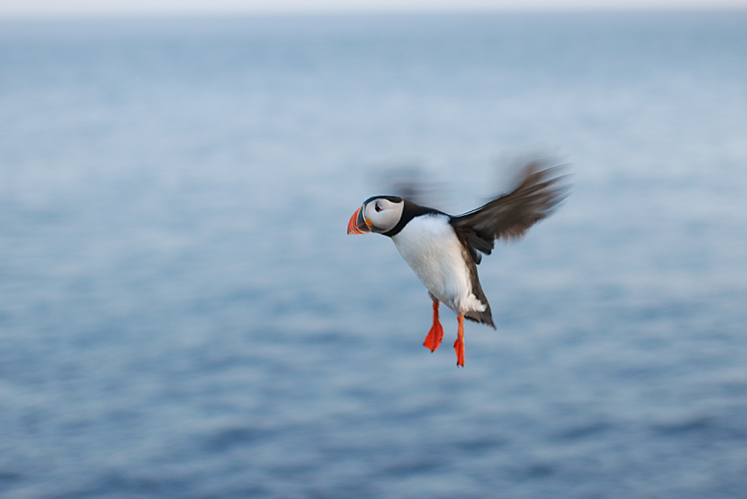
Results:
485 317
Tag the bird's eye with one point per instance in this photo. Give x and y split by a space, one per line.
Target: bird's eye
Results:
377 207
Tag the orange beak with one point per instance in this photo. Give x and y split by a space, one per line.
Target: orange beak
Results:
357 224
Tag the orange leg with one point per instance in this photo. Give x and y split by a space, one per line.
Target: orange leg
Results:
459 343
436 334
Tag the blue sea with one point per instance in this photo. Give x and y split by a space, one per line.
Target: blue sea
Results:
182 314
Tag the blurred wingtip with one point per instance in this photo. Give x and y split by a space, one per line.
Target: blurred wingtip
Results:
408 180
552 168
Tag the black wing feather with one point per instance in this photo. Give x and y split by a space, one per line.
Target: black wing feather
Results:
511 215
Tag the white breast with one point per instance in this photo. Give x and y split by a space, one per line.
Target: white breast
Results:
429 245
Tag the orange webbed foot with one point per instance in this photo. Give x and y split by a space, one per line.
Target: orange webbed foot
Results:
459 343
436 334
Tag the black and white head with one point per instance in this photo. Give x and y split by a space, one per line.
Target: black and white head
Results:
377 214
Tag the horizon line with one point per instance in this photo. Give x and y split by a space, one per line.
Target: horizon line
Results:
740 6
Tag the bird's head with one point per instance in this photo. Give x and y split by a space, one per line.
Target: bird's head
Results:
377 214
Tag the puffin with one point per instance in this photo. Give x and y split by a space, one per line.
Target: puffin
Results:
444 250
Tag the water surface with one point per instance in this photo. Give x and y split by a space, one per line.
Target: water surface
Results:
183 315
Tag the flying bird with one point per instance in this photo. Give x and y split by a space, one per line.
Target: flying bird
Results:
444 250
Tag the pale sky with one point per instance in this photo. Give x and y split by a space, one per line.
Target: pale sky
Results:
57 8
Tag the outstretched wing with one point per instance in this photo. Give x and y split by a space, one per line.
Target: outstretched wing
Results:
509 216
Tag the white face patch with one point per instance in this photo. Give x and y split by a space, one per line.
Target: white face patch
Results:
383 213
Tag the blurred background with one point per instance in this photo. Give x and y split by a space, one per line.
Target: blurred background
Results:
183 315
